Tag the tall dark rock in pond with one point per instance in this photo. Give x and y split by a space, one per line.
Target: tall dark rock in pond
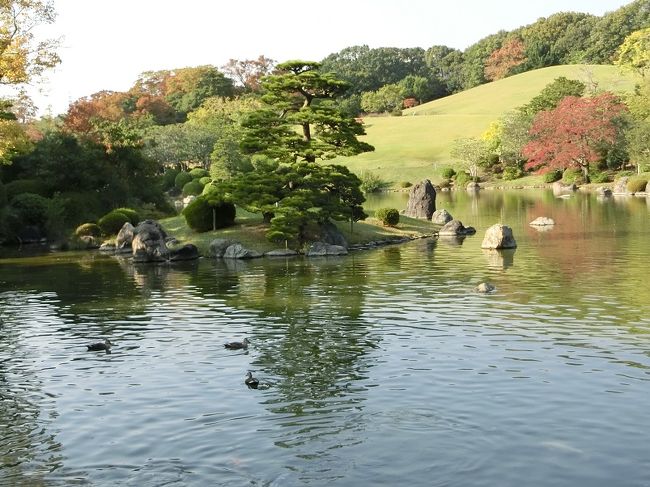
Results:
422 200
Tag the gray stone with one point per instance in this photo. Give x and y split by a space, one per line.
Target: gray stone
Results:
422 200
499 236
606 192
485 287
125 236
149 242
455 228
238 251
186 252
321 249
107 247
89 242
218 247
559 188
473 186
620 185
542 221
281 253
647 188
440 217
329 233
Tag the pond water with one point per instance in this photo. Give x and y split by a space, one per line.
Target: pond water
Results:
383 367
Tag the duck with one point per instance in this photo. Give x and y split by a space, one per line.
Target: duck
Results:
96 347
237 345
251 381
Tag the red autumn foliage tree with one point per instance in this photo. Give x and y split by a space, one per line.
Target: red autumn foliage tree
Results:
247 73
502 60
574 134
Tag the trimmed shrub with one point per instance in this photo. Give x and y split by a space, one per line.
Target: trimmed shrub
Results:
198 173
88 230
31 209
637 185
182 178
133 215
552 176
204 215
169 178
205 180
511 172
461 179
194 188
19 186
389 216
447 172
573 176
445 183
112 222
405 184
600 177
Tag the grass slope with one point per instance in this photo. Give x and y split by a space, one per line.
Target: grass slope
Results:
416 145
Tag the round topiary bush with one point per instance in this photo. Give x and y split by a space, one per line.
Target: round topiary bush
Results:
19 186
198 173
31 208
573 176
182 178
194 188
447 172
203 214
461 179
88 230
112 222
552 176
637 185
205 180
388 216
133 215
169 178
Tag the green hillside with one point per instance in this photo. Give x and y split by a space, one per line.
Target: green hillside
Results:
416 145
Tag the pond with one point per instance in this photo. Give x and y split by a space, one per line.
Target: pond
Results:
383 367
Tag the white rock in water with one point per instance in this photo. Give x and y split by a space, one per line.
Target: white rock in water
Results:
542 221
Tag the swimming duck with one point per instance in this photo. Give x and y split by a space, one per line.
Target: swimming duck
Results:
96 347
251 381
237 345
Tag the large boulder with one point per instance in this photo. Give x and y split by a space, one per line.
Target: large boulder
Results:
499 236
218 247
329 233
603 192
186 252
322 249
472 186
238 251
455 228
440 217
560 188
125 237
620 186
422 200
149 242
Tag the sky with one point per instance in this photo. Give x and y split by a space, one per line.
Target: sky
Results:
106 44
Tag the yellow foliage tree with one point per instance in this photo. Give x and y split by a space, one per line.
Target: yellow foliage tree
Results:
634 53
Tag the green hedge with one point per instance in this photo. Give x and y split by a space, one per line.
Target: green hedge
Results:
182 178
204 215
194 187
637 185
88 230
388 216
112 222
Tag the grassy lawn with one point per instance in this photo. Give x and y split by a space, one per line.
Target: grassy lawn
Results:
250 231
416 145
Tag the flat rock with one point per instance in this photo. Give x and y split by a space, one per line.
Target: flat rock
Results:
542 221
186 252
281 253
455 228
238 251
321 249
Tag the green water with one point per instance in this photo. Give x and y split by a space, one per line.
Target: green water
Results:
383 367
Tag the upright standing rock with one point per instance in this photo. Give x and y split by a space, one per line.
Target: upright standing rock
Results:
422 200
149 242
499 237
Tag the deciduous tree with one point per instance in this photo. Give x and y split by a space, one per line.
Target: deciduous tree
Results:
575 134
503 60
634 53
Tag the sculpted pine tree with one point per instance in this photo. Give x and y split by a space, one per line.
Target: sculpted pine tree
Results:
299 120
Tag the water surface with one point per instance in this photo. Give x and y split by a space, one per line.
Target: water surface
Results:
380 368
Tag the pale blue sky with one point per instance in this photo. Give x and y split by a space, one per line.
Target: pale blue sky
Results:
107 43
